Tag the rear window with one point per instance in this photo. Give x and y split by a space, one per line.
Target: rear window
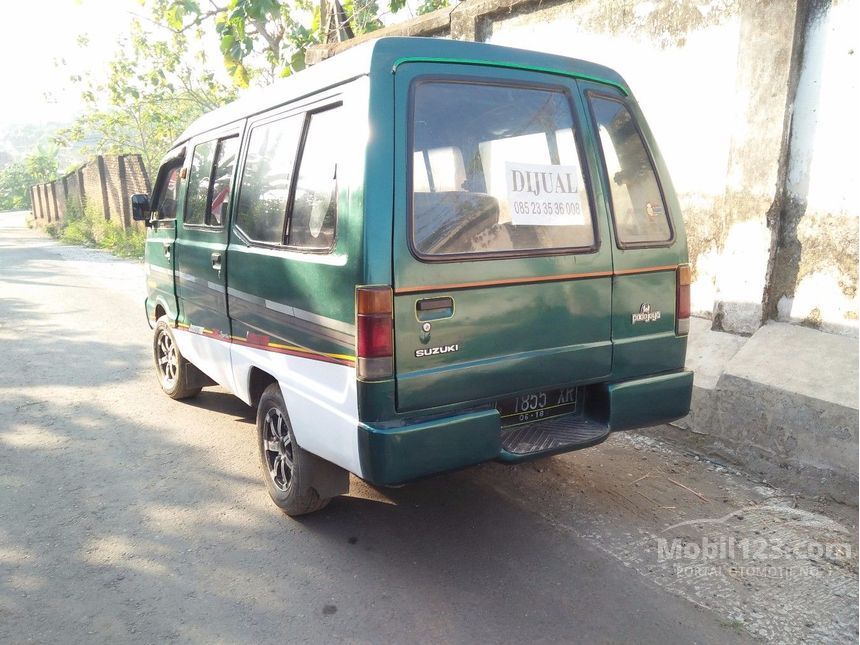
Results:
495 170
285 201
314 213
265 188
198 183
638 209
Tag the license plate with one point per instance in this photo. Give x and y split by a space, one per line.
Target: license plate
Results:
537 405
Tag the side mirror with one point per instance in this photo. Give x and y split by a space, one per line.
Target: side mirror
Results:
140 208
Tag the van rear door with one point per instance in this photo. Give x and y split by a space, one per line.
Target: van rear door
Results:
647 245
502 266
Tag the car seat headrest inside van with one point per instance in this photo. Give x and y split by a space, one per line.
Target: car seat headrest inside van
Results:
447 222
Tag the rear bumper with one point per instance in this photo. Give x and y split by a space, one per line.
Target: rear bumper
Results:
642 402
400 454
395 455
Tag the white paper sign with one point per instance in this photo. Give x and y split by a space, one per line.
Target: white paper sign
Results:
542 195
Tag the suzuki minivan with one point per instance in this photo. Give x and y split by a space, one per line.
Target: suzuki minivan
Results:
419 255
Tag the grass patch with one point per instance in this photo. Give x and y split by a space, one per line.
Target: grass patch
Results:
88 227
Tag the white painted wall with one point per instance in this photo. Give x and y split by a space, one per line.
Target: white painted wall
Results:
698 98
824 168
826 124
681 87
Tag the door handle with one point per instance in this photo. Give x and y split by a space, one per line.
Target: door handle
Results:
216 261
166 246
434 308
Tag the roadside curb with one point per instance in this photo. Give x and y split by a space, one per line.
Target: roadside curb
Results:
781 404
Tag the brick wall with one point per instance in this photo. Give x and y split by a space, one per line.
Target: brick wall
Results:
106 183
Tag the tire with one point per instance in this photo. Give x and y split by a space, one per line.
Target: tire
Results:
285 466
170 366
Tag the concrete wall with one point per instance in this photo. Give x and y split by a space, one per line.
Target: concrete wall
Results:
754 105
734 92
105 183
683 66
815 275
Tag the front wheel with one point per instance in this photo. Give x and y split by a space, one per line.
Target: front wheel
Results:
170 365
285 465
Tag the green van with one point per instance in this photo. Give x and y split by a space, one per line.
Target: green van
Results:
419 255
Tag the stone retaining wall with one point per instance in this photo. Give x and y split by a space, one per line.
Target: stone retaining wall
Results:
106 182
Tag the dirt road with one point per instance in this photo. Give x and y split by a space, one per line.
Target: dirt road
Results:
128 517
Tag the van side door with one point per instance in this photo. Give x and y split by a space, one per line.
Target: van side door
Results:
200 255
648 243
161 239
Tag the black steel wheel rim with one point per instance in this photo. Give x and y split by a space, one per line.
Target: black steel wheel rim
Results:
278 449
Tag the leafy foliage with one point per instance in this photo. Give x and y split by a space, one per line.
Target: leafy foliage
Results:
88 227
264 39
431 5
17 178
153 89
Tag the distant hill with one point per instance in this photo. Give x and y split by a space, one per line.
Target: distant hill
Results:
19 139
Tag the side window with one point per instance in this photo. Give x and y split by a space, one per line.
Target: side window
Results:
166 200
209 182
198 183
637 204
222 173
266 179
314 213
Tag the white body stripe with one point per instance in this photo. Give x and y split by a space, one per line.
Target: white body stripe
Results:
209 355
321 401
154 268
324 321
187 277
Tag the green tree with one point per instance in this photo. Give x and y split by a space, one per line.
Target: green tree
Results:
431 5
154 87
17 178
264 39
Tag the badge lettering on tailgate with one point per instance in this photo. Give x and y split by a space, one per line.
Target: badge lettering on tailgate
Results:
645 314
432 351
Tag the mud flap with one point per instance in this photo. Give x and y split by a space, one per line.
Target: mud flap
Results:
326 478
194 378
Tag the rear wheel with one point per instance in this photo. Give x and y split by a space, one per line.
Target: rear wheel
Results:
285 465
171 367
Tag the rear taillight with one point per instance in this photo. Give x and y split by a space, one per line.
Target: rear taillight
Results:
682 301
374 333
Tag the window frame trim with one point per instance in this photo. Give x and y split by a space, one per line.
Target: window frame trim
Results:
582 158
610 205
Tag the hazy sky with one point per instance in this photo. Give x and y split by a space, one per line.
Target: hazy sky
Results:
39 33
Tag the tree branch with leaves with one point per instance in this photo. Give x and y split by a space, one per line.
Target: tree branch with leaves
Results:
262 40
154 87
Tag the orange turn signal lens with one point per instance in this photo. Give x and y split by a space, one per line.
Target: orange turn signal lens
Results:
684 275
371 301
682 300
